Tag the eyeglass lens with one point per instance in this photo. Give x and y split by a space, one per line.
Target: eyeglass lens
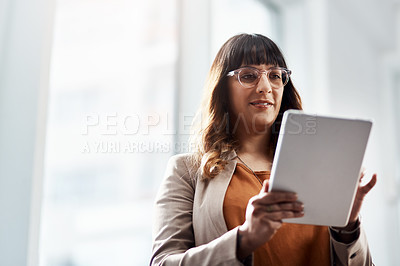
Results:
250 77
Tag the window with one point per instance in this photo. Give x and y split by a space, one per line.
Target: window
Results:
109 129
230 17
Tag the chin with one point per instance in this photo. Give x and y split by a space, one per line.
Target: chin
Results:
263 126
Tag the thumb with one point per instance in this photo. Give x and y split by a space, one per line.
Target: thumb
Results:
265 186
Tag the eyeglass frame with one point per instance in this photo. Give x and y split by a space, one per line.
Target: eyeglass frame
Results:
260 72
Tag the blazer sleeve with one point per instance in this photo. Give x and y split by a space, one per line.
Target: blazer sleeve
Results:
173 236
352 254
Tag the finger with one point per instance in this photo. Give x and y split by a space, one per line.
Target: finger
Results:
276 197
363 169
277 216
367 188
294 206
362 174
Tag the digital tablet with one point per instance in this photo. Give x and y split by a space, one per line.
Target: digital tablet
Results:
319 158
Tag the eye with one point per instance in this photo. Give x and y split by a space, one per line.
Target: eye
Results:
248 76
275 75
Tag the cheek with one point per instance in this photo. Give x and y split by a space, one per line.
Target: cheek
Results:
236 97
278 99
236 105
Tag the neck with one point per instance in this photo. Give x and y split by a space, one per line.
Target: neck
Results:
254 145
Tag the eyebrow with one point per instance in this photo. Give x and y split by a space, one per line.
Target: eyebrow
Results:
250 66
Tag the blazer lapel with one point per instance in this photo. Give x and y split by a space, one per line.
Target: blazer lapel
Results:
208 218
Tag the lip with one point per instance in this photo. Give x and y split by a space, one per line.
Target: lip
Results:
262 101
262 104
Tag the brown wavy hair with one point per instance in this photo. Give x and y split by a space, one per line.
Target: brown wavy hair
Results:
213 139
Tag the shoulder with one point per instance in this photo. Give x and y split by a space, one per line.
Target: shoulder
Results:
180 159
181 163
180 168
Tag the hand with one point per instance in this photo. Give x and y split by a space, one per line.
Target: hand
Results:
264 214
362 191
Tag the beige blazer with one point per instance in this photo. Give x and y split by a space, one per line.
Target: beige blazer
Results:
189 227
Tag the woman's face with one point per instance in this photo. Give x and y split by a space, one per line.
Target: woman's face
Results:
254 109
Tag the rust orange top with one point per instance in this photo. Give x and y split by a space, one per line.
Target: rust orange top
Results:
293 244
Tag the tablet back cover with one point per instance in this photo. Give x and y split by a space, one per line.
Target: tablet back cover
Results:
319 158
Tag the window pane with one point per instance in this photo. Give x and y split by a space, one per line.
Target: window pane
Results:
230 17
109 130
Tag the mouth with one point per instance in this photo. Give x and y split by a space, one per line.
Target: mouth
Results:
262 104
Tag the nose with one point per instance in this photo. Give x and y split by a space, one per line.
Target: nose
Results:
263 84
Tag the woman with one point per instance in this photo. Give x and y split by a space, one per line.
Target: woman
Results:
213 207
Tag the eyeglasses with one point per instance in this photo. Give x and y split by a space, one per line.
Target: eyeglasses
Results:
249 77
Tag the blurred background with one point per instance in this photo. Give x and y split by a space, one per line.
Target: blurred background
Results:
96 95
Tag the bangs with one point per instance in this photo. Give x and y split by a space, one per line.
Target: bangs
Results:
255 50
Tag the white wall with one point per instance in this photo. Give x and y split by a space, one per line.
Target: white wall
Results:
24 55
